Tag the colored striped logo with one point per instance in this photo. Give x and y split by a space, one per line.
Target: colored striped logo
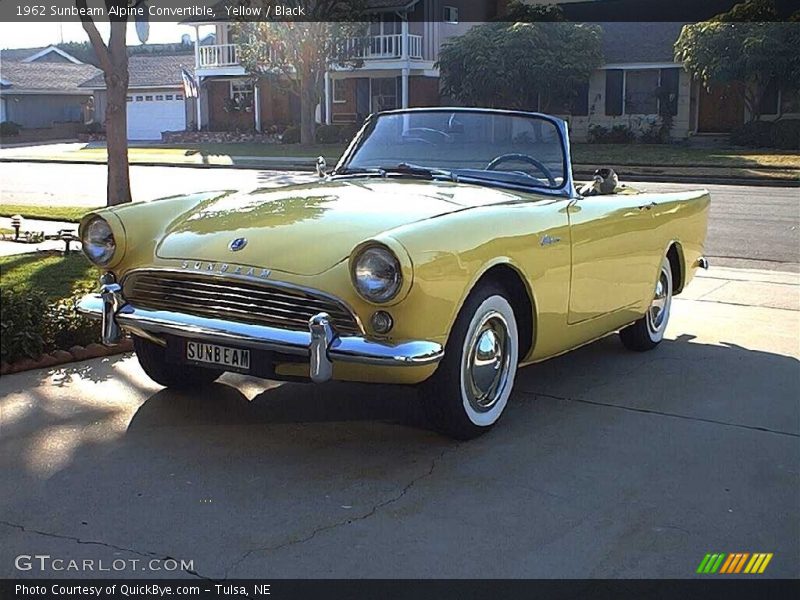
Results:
735 562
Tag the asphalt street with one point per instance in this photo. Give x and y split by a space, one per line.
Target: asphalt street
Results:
756 227
608 463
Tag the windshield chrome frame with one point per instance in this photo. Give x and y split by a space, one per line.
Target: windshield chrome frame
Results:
567 188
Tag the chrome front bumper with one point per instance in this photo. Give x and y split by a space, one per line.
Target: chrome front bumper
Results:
320 343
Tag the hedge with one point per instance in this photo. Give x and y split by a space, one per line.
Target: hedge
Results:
31 324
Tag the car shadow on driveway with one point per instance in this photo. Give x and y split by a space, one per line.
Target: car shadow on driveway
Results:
224 404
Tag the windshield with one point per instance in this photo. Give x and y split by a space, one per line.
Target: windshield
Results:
496 147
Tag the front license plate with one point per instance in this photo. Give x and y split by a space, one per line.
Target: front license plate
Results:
212 354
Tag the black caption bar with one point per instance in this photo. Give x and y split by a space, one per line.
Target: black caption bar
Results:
210 11
343 589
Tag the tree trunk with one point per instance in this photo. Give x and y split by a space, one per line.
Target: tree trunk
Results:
308 104
119 186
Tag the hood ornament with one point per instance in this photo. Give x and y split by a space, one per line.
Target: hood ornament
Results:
237 244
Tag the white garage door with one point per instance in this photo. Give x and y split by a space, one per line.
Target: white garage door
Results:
151 113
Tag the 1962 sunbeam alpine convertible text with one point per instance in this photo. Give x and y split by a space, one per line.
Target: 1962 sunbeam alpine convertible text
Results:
447 248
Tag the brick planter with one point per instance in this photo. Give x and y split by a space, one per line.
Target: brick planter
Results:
59 357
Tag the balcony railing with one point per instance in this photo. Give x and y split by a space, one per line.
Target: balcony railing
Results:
386 46
219 55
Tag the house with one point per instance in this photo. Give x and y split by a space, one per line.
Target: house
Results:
638 84
40 89
399 55
156 101
638 75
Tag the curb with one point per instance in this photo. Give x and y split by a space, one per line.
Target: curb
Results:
60 357
307 166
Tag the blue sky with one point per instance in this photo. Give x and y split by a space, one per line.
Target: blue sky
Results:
29 35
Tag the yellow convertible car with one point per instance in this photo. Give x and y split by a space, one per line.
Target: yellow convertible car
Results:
447 248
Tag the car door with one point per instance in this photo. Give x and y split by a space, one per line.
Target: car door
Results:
612 250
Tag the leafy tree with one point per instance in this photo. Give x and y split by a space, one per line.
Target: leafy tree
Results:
112 58
519 65
298 53
730 48
517 10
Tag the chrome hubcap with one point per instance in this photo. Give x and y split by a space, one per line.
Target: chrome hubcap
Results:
487 362
657 313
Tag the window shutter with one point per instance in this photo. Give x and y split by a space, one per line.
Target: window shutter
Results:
580 104
769 101
669 91
614 92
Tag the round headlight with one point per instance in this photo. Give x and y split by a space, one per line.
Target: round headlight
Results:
98 241
376 274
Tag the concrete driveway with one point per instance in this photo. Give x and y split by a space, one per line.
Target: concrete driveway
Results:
607 464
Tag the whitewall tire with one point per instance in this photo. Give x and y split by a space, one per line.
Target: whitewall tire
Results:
647 332
470 389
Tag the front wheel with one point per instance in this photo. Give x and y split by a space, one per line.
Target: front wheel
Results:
152 358
647 332
469 391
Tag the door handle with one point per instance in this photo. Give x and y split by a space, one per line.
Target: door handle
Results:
647 206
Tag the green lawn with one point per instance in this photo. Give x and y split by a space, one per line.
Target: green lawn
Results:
57 275
71 214
583 154
669 155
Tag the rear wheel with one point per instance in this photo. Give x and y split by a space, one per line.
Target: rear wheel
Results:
152 358
647 332
469 391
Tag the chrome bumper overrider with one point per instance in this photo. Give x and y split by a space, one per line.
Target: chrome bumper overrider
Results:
321 342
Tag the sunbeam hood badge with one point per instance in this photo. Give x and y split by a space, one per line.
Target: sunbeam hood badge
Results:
221 268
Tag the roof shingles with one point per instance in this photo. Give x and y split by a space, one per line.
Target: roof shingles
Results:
151 71
48 76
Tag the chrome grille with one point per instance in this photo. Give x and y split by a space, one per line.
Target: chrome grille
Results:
234 300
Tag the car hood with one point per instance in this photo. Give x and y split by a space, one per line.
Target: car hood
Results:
306 229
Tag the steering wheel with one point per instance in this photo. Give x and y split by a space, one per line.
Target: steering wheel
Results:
492 166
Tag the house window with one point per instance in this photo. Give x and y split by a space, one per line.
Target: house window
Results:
450 14
384 93
242 93
790 100
339 91
573 102
641 89
385 24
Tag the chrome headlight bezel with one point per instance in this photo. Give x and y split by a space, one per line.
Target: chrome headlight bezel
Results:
98 242
365 277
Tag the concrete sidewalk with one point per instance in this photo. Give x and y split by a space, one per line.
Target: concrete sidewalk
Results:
608 464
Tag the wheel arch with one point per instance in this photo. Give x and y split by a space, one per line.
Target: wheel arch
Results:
520 296
677 262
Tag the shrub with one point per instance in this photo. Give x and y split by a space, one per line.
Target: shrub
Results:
93 128
8 128
31 324
786 134
22 316
618 134
781 134
291 135
337 133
